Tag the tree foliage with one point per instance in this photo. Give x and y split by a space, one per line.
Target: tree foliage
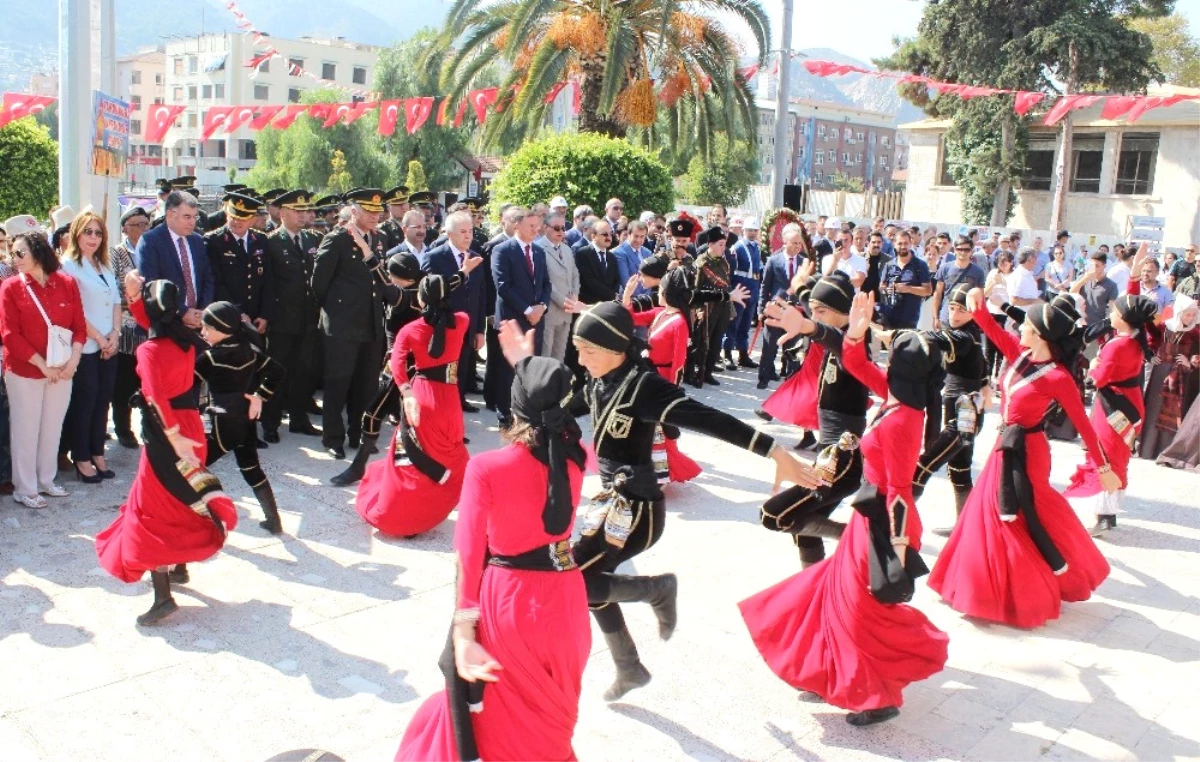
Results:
724 178
586 169
30 161
339 179
618 50
299 157
1176 51
416 177
1022 46
847 183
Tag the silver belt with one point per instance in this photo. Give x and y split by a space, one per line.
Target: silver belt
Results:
743 273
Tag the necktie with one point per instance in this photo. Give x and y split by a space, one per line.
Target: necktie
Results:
603 261
185 264
791 268
296 240
458 257
529 259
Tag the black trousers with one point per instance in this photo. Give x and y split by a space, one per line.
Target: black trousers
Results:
127 383
493 367
239 434
600 559
697 354
385 403
295 352
504 373
351 378
466 365
718 324
950 449
766 363
87 416
833 425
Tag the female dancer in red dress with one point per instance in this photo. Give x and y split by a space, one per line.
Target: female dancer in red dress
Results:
1119 410
840 629
1018 550
176 512
412 497
521 636
795 401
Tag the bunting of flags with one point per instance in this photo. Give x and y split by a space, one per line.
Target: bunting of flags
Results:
18 105
1132 107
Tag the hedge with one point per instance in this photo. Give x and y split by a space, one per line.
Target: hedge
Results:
28 169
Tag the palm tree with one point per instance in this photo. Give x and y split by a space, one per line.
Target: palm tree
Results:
631 57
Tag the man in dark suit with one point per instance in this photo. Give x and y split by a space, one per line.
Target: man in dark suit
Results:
292 339
599 272
777 280
496 365
183 183
352 289
238 255
174 251
392 229
446 260
522 292
414 235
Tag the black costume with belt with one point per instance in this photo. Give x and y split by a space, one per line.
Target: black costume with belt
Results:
242 276
292 337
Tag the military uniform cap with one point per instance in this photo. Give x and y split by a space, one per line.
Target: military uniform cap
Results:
241 206
300 200
397 195
271 195
681 228
421 197
370 199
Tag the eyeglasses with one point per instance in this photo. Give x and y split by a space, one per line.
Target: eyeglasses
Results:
962 248
604 235
19 254
558 228
137 224
617 208
92 231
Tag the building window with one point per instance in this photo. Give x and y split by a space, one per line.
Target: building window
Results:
858 158
820 130
848 134
193 64
265 67
845 157
158 101
206 92
944 177
135 78
801 152
135 126
886 141
1039 163
219 90
359 75
177 93
191 92
192 121
248 151
135 102
178 65
298 63
329 71
262 92
1087 157
357 98
158 79
819 159
220 149
293 95
831 155
1135 165
858 136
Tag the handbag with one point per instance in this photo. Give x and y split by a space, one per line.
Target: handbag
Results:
58 340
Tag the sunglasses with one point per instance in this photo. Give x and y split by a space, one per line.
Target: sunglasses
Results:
605 235
558 228
962 248
92 231
19 254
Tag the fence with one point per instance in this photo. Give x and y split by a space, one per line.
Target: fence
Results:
889 204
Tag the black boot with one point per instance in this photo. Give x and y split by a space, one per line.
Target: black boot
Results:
744 361
729 363
1104 522
266 498
960 499
811 556
630 672
358 467
660 592
179 574
822 527
872 716
164 604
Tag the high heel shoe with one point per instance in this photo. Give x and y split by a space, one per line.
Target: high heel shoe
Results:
95 478
103 473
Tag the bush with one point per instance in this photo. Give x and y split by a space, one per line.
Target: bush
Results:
586 168
28 168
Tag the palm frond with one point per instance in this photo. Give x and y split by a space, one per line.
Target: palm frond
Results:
749 11
548 66
530 14
621 54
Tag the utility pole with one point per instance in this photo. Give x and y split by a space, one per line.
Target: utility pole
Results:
779 175
1058 208
74 102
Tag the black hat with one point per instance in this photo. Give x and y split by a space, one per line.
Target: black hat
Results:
1062 234
434 291
835 291
681 228
731 238
370 199
223 316
1055 320
653 267
236 187
912 359
804 293
184 182
607 326
326 203
1137 310
161 300
241 206
710 236
164 185
271 195
134 211
474 203
405 266
397 195
300 200
676 289
421 197
958 294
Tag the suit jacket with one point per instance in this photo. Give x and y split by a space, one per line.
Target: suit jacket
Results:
391 233
489 280
242 277
351 291
516 289
629 261
564 279
469 298
775 277
291 269
157 258
597 284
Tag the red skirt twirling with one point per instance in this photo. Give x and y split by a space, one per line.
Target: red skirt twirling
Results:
795 401
536 626
1086 481
822 630
991 569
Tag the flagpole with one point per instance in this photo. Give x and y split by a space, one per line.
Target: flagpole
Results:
780 174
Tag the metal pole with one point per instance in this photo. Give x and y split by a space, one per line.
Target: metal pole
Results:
108 205
780 173
74 101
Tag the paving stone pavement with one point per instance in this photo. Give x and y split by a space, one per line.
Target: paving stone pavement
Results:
328 637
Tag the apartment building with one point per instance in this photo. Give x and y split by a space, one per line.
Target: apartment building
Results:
141 80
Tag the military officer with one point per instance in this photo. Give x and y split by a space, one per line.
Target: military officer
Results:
292 339
271 199
183 183
352 289
238 256
392 228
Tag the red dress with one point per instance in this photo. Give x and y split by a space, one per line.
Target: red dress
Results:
668 353
822 630
795 401
402 500
1120 359
991 568
535 623
153 527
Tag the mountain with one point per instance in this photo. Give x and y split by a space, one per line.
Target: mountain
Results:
857 90
29 36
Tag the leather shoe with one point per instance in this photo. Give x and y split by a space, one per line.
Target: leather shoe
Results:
127 440
305 428
505 422
744 361
763 414
711 380
271 437
313 408
263 445
467 407
762 384
336 451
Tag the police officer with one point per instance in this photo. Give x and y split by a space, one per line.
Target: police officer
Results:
238 256
392 228
746 258
352 289
292 339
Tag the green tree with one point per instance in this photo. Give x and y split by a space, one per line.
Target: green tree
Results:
1176 51
844 182
30 161
586 169
724 178
339 180
299 156
402 73
617 49
416 177
1032 45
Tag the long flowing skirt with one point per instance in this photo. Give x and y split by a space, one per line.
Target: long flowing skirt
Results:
991 568
536 626
1085 482
795 401
1184 451
822 630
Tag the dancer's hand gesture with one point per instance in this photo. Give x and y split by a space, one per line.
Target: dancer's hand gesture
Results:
782 315
473 662
861 313
789 468
1109 481
515 345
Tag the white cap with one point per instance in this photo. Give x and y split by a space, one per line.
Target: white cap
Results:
558 201
736 222
22 223
833 222
751 223
647 216
62 216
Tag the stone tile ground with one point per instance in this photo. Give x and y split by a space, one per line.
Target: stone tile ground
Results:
329 636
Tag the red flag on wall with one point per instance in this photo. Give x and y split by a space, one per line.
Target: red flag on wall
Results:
290 114
265 115
336 113
214 117
160 120
416 111
389 112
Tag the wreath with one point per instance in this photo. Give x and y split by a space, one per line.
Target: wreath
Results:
774 221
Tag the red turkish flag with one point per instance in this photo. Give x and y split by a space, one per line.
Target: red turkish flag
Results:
481 99
462 110
265 115
389 112
360 110
321 111
1026 100
290 115
214 118
1141 106
555 89
160 120
443 107
18 105
1066 105
748 72
239 116
335 113
416 112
